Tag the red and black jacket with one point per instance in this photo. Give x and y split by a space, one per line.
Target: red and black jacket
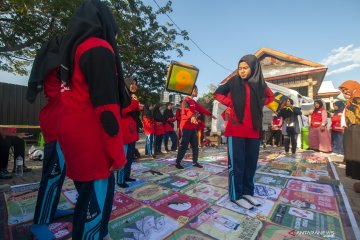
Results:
245 129
169 120
189 108
89 124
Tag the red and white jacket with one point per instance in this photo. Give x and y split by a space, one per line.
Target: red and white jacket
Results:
336 122
318 118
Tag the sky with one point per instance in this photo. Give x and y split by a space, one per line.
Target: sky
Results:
322 31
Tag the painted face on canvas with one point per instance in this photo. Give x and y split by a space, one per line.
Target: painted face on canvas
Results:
180 206
244 70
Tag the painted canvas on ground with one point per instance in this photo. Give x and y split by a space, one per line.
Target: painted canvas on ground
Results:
221 223
262 212
179 206
123 205
188 234
181 78
311 201
21 203
206 192
144 223
310 187
218 181
274 181
151 175
148 193
213 168
272 232
267 192
175 183
194 174
306 220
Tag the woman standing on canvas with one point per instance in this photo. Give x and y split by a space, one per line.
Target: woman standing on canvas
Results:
319 136
245 93
351 91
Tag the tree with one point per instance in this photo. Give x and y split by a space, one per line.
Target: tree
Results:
144 43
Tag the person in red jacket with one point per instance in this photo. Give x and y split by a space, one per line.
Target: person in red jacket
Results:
337 130
319 135
130 123
245 93
148 122
200 129
169 128
45 76
89 129
188 126
159 128
276 126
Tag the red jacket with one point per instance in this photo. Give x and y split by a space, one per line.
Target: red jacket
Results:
89 133
128 124
336 123
276 123
148 125
168 124
245 129
48 116
188 109
317 118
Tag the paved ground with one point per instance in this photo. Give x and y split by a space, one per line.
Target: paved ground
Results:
354 198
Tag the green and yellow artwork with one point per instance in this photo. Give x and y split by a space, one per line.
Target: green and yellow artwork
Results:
181 78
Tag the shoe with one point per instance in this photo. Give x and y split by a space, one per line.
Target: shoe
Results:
123 185
178 166
243 203
166 151
26 169
130 180
252 200
197 165
4 174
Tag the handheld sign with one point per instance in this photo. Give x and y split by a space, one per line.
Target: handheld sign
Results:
181 78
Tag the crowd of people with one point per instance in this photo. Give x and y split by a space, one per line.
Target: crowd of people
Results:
93 117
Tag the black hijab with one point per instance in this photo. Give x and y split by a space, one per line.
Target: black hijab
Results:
320 104
340 105
92 19
147 112
257 85
46 59
157 113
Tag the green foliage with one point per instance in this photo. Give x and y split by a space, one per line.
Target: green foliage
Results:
144 43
